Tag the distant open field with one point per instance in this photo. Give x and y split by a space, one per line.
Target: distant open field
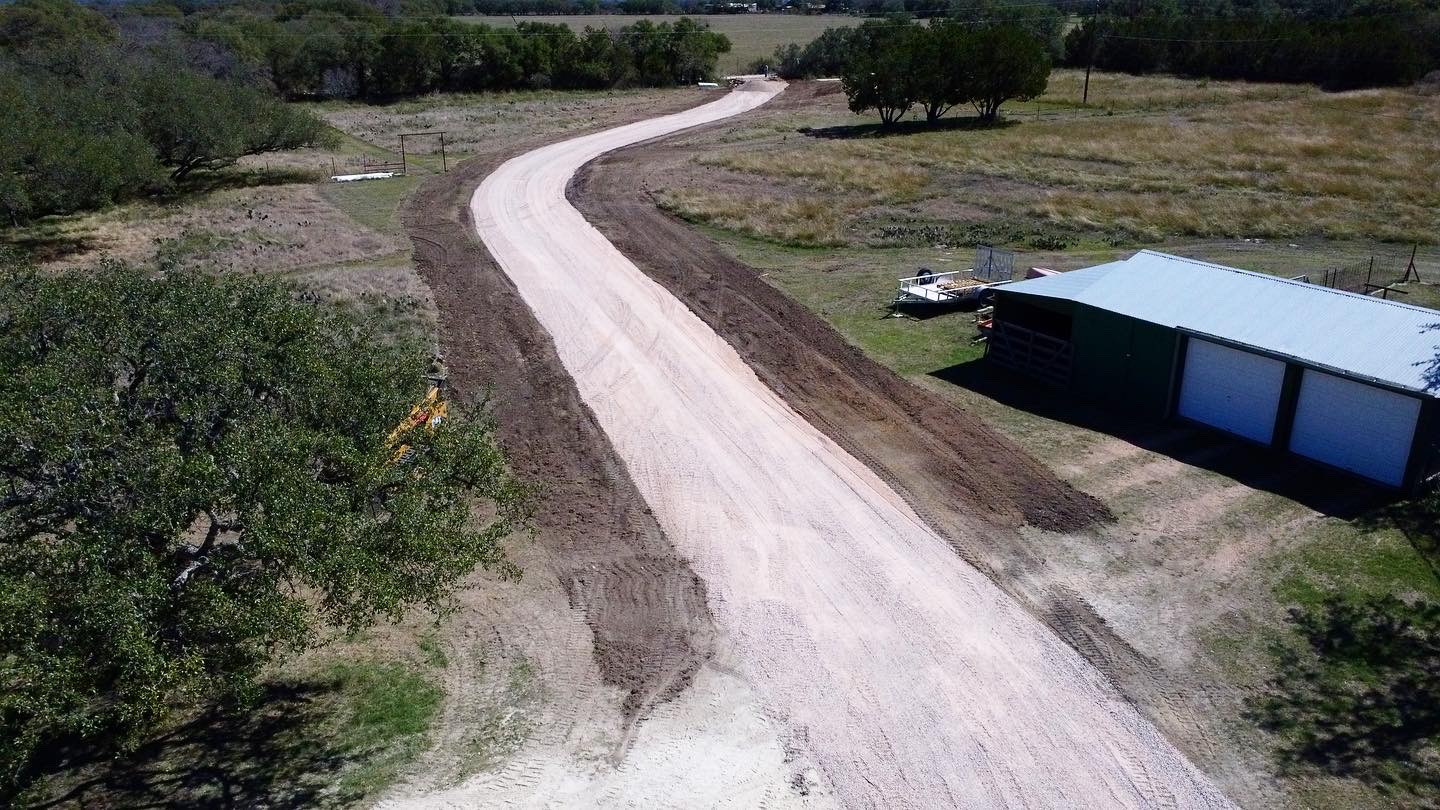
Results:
752 36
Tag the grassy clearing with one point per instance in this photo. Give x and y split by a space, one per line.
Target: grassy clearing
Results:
374 204
381 714
1149 160
853 293
1119 92
1357 561
1346 685
752 36
475 122
806 222
334 735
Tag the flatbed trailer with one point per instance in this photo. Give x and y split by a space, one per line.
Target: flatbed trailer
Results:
952 286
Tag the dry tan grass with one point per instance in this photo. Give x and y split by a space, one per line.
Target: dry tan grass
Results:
1120 91
244 230
390 295
841 174
752 36
1187 159
808 220
474 119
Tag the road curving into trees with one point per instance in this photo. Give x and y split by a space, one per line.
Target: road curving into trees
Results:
902 675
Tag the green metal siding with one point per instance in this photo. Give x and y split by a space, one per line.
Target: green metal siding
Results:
1124 361
1049 315
1061 305
1425 448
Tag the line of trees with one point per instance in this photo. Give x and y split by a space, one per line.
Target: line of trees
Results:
1353 51
1333 43
826 55
88 122
348 49
891 66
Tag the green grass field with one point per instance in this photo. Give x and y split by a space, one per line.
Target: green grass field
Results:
752 36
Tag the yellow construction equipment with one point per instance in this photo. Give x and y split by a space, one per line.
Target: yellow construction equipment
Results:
430 412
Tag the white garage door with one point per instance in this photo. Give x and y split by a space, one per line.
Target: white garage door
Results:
1354 426
1238 392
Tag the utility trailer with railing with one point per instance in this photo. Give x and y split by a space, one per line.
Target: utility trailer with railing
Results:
992 268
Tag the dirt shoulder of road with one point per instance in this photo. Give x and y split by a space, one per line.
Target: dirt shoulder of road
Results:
643 604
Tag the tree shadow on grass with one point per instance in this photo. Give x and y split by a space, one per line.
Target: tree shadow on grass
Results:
275 753
48 244
201 184
903 128
1359 695
1419 520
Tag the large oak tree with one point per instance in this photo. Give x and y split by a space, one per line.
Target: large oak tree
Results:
196 476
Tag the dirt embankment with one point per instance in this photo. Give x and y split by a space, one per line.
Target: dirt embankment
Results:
644 605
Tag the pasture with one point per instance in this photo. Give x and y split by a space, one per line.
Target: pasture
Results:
752 36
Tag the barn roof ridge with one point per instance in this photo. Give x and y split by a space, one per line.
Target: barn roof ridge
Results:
1307 286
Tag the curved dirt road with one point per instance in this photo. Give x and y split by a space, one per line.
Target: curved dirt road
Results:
906 676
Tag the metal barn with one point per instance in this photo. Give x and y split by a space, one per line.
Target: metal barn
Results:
1343 379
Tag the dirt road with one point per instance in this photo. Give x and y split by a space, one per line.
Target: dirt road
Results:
592 682
902 672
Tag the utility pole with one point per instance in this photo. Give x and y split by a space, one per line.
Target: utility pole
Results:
1090 63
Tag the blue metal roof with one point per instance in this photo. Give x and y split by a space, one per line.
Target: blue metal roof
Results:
1355 335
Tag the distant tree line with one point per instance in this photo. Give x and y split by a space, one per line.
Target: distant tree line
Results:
101 107
346 49
88 122
1353 51
1333 43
